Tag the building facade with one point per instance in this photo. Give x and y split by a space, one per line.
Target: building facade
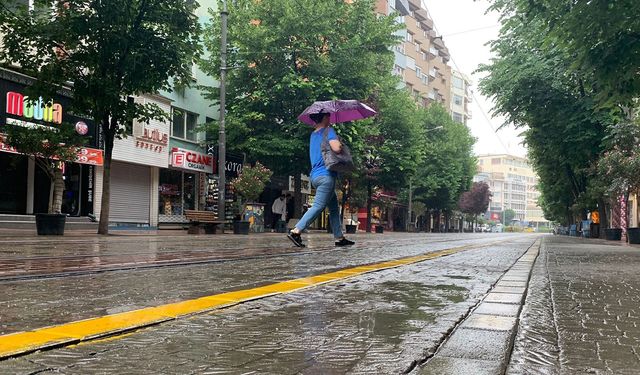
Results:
460 97
513 183
421 59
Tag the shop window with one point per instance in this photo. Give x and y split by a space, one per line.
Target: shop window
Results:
177 192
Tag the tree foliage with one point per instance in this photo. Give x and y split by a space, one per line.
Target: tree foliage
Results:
537 86
476 200
285 55
110 50
447 165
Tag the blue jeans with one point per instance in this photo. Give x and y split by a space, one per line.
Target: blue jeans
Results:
325 197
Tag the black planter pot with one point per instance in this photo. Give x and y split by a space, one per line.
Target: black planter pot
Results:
50 224
613 234
634 235
240 227
379 229
351 229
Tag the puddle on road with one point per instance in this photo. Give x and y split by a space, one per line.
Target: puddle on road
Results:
406 307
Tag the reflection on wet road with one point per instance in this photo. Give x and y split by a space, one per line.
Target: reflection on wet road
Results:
375 323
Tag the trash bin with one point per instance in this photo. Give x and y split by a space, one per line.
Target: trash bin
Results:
573 230
586 228
595 230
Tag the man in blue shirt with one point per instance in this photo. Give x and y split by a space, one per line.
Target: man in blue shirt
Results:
324 181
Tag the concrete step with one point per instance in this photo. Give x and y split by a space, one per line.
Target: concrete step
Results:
29 222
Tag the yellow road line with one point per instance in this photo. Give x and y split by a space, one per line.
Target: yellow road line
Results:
20 343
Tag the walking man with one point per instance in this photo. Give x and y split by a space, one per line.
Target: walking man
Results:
324 181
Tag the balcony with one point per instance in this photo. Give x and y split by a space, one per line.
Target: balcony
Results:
439 43
421 15
433 74
414 5
402 6
427 24
431 95
432 53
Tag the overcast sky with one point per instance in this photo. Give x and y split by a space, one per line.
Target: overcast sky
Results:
466 29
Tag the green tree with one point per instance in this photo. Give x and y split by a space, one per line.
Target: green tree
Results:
602 37
110 50
509 215
287 54
447 167
536 89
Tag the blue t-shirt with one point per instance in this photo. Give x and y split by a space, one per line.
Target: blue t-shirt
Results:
315 153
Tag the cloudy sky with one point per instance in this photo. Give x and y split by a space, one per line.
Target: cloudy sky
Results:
466 29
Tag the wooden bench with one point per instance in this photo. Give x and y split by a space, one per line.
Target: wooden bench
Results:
202 222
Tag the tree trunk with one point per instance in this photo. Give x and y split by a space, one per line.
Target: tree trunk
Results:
103 225
297 196
602 212
58 183
52 188
447 217
369 193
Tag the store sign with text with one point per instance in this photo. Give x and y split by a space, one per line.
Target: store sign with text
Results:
18 109
85 155
148 138
191 160
234 163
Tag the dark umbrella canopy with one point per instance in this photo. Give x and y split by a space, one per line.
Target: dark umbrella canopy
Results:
340 110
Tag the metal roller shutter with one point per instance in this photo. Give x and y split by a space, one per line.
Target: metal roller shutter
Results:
130 188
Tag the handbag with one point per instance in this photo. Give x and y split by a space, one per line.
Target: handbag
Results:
336 162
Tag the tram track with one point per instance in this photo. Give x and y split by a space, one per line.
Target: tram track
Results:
175 262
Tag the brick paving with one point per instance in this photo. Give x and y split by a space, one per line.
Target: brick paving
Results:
582 315
377 323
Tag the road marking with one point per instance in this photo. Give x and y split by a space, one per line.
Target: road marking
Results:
20 343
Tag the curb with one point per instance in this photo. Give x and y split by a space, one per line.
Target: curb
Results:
482 343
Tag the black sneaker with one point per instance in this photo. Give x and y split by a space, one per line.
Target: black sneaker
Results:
295 238
344 242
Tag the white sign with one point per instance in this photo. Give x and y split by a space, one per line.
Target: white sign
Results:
191 160
306 184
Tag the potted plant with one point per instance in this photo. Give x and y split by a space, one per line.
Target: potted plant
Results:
620 166
51 147
248 186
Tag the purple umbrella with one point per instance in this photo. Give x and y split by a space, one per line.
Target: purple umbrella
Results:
340 110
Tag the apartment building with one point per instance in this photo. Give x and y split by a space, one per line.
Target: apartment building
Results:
421 59
513 183
460 97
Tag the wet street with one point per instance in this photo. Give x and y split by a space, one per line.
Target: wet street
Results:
394 303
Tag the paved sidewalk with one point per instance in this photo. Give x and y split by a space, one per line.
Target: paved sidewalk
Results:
582 314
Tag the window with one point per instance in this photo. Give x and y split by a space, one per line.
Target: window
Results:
184 125
418 47
457 99
457 117
410 37
418 72
458 83
400 48
397 70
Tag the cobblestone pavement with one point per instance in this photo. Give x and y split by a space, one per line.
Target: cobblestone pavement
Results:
33 303
582 314
383 322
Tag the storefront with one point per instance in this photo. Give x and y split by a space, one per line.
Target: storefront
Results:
183 186
25 187
138 159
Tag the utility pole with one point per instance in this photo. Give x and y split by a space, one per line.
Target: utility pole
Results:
409 223
222 152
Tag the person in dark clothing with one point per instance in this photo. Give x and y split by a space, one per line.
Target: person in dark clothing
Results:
290 207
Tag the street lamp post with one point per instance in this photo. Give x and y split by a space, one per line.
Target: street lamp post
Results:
222 152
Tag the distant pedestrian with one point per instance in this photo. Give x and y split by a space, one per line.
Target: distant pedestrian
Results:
278 210
291 205
324 181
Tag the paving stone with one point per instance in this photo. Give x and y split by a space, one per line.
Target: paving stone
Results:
490 322
501 309
515 284
477 344
460 366
504 298
508 289
377 323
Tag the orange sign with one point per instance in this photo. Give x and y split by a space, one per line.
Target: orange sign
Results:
86 155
